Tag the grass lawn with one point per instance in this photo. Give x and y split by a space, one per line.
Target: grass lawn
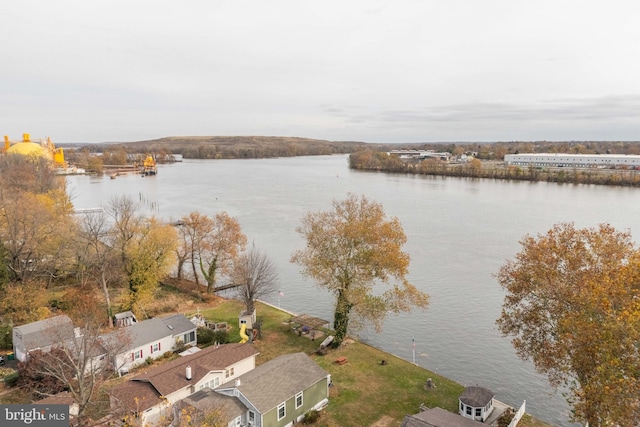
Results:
364 392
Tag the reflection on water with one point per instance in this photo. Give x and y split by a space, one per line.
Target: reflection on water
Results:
460 231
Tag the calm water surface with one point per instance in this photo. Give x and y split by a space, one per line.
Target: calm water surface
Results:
460 231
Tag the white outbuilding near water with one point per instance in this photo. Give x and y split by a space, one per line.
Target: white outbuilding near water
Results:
573 160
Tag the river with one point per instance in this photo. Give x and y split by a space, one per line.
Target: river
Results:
460 231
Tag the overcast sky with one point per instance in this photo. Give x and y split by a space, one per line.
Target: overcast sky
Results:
374 71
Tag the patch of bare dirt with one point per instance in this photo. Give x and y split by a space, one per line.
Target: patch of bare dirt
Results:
385 421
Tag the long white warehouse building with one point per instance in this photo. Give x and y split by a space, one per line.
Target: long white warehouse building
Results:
573 160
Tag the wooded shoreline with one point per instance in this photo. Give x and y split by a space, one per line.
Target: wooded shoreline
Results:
381 162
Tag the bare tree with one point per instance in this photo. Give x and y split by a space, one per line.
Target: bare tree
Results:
98 253
256 275
126 221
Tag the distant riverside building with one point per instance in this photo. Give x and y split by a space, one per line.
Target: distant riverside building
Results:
419 154
573 160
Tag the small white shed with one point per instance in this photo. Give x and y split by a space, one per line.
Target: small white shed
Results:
247 318
476 403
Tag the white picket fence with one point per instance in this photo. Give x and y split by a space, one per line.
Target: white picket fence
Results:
518 415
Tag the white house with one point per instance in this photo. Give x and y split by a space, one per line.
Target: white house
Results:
41 335
151 338
476 403
150 395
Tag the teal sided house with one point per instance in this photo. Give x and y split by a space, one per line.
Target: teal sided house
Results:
277 393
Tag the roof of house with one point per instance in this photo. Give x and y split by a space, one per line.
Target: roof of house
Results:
124 315
178 324
475 396
151 330
46 332
278 380
62 398
206 400
170 377
438 417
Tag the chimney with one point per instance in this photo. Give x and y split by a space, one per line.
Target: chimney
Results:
238 382
188 373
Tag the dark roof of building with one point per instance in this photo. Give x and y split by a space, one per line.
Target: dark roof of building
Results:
62 398
438 417
278 380
169 377
206 400
136 396
475 396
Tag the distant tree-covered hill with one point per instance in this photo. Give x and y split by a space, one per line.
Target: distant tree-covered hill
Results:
238 147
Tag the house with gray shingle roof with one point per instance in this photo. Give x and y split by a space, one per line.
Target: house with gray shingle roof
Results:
476 403
150 395
279 392
205 403
438 417
151 338
41 335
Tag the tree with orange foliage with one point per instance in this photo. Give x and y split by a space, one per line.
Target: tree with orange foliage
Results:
350 249
573 308
219 248
192 230
145 246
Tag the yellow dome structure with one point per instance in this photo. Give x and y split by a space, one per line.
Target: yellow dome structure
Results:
28 148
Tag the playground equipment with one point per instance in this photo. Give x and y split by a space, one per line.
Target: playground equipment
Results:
243 334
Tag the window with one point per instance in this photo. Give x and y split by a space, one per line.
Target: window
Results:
155 348
229 372
468 410
238 421
298 400
211 384
136 355
252 418
478 412
282 411
190 337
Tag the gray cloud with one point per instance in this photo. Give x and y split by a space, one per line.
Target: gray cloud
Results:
360 70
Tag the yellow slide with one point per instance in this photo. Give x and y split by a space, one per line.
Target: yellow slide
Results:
243 334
